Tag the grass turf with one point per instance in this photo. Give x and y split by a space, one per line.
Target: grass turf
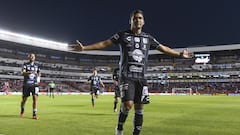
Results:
165 115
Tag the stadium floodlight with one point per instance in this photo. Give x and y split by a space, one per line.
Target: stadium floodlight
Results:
29 40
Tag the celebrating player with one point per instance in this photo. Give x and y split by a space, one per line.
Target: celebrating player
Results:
31 73
134 45
95 82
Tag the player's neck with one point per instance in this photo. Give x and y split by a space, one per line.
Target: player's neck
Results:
136 31
31 62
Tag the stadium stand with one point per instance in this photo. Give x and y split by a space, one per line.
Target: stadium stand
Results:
70 70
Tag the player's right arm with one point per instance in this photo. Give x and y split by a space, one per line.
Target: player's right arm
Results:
97 46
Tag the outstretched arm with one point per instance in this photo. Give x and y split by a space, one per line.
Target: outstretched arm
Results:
102 84
97 46
185 53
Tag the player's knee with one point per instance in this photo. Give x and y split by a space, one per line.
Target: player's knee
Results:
124 110
139 111
128 107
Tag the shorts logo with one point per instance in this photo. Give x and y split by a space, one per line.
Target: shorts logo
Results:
123 88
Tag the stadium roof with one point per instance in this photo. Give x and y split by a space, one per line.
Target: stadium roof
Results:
38 42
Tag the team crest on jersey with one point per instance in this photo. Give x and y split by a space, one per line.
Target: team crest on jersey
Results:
137 55
136 39
145 40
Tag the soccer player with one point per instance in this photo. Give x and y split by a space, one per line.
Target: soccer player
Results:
60 91
134 47
31 73
51 89
115 76
95 82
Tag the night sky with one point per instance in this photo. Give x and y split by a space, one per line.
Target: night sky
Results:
176 23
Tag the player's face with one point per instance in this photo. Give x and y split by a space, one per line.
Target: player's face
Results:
32 57
95 72
137 21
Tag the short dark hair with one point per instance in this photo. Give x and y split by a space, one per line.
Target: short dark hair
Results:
136 12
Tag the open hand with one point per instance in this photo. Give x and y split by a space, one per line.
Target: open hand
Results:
186 54
77 47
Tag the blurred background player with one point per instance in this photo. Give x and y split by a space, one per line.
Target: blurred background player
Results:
95 82
31 73
60 90
115 76
51 86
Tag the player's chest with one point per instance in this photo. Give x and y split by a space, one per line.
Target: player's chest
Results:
131 43
95 78
31 68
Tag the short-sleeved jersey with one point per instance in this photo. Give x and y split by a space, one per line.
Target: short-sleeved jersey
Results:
52 85
95 80
115 74
134 51
31 79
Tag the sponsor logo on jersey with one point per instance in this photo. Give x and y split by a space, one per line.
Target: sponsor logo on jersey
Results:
133 68
136 39
137 55
128 38
145 40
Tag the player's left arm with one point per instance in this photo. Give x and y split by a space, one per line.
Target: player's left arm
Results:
166 50
101 82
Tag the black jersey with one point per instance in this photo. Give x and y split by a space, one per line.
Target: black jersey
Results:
31 79
134 52
95 80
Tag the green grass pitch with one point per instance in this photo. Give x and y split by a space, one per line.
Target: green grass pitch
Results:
165 115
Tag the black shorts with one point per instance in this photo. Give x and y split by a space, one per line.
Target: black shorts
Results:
51 89
27 89
117 92
95 90
131 89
